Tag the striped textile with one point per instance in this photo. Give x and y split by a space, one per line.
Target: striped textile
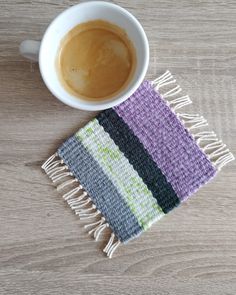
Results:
135 163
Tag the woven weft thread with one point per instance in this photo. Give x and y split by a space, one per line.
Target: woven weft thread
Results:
133 164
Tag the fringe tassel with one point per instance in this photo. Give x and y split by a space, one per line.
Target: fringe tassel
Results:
111 247
77 204
89 215
109 244
215 150
223 160
100 221
55 170
99 230
66 183
49 161
164 80
172 92
60 176
179 102
79 201
204 136
193 121
53 165
73 192
80 209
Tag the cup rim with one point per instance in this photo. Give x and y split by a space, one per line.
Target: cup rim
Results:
106 104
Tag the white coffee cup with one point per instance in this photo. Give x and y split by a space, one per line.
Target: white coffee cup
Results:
46 51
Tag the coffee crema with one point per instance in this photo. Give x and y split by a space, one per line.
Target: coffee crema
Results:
96 60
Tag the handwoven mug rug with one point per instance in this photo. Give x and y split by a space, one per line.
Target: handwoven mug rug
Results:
132 164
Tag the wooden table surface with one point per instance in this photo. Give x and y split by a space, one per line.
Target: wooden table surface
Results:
44 248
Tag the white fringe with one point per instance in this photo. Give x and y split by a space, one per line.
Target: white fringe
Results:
72 192
83 216
204 136
110 242
159 79
53 165
49 161
193 121
218 152
179 102
82 209
55 171
223 160
111 247
58 177
172 92
66 183
164 80
100 221
82 204
77 204
213 145
215 150
99 230
98 227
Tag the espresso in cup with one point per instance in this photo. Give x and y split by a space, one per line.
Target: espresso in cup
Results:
96 60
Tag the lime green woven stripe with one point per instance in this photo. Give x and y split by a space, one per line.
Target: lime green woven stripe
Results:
117 167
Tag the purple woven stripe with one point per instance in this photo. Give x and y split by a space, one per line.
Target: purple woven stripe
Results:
185 166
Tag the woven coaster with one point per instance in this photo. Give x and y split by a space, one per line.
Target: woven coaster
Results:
132 164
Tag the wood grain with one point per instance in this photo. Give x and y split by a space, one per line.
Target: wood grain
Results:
43 247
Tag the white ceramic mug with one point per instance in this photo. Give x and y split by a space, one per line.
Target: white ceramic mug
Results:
46 51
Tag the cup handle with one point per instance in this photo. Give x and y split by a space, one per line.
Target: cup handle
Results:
30 49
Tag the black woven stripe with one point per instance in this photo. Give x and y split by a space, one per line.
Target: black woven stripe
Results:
139 158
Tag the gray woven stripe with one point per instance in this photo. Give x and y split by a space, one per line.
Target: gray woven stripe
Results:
100 188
